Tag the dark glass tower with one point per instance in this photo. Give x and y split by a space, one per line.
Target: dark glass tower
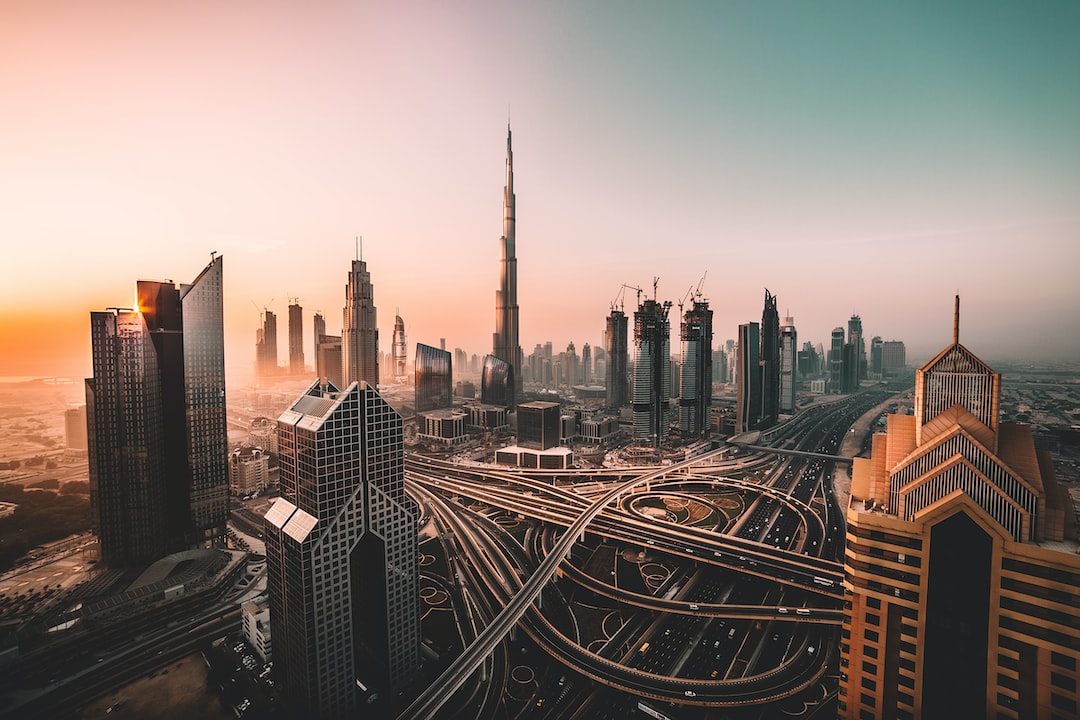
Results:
296 339
615 346
496 382
433 384
651 392
158 444
770 362
341 549
748 378
266 346
695 396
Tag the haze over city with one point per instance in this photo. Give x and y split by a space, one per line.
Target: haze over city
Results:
842 156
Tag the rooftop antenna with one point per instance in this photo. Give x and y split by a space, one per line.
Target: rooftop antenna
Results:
359 247
956 320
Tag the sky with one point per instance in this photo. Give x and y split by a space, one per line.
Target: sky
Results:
851 157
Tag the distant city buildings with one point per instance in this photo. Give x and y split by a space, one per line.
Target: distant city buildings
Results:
506 346
651 391
893 357
75 428
341 548
695 396
837 376
330 359
962 600
156 425
360 328
855 338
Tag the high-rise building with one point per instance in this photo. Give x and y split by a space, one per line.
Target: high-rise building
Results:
893 357
341 553
586 364
538 425
296 338
433 382
319 323
572 367
330 360
855 337
249 470
616 378
75 428
836 362
266 363
156 424
695 388
748 380
876 346
770 362
962 590
651 391
789 367
496 382
400 350
360 328
505 342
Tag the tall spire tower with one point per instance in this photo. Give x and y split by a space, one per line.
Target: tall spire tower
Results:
360 329
505 341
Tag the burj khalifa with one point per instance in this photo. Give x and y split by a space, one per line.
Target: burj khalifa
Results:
505 341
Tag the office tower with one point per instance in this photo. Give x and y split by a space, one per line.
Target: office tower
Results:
505 341
266 346
296 338
433 378
360 329
572 366
770 362
496 382
617 378
75 428
400 351
538 425
651 390
341 554
319 323
748 380
788 365
695 388
157 441
586 364
962 591
836 362
329 359
855 337
893 357
876 345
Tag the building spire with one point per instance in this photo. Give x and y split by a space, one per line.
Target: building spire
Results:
956 321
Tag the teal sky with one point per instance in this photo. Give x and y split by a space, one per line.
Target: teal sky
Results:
851 157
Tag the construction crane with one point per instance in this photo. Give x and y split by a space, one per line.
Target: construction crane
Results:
697 292
631 287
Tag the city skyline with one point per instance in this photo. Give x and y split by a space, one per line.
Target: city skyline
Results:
815 151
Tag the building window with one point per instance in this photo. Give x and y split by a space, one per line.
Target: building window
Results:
868 700
1063 681
870 635
869 684
869 668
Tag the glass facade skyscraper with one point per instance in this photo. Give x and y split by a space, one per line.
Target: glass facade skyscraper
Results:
341 549
695 392
651 391
433 383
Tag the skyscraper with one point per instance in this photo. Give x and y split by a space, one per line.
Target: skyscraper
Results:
496 382
695 395
505 341
789 368
319 323
329 359
836 362
770 362
617 378
360 328
651 391
399 349
156 424
586 364
341 551
296 338
266 346
748 378
962 590
433 384
855 337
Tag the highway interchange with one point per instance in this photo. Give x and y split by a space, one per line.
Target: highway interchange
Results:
747 613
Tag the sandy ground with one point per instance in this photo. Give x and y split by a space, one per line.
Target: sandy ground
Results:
176 692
